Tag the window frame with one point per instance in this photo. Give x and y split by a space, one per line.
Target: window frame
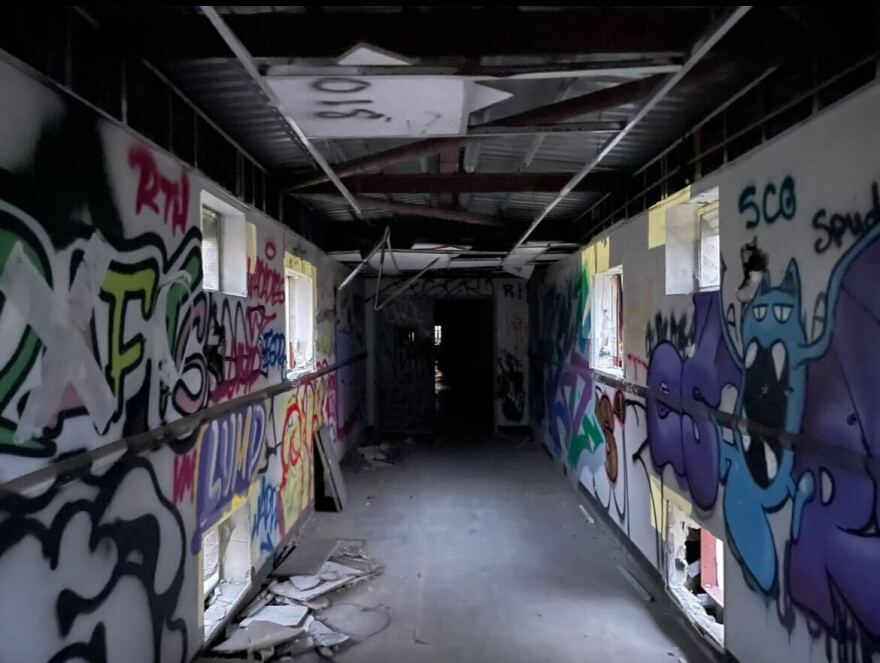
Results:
290 336
615 273
230 219
707 210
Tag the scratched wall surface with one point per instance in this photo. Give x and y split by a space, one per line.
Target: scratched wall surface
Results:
785 343
106 332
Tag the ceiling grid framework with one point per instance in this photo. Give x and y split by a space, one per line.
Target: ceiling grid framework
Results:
568 79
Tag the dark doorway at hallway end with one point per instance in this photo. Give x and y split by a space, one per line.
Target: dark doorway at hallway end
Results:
463 386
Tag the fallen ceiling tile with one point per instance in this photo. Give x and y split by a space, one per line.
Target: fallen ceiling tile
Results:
257 635
307 558
283 615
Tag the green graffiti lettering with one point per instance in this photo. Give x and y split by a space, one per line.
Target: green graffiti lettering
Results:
14 372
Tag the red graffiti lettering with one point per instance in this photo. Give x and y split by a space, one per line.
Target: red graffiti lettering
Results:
242 354
270 251
153 183
184 472
266 284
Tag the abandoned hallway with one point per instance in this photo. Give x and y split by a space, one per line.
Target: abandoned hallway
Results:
488 558
442 333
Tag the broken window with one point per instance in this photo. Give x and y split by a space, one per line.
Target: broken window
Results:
226 567
300 304
695 573
607 317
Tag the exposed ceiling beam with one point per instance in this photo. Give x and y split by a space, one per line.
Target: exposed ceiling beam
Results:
448 31
596 127
700 50
231 40
476 183
408 209
480 72
593 102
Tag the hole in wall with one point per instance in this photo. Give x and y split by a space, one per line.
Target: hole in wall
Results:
226 568
695 573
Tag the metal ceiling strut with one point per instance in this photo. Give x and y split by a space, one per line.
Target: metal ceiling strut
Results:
247 61
356 270
697 54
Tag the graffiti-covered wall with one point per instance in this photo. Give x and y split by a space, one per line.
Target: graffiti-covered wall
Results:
405 348
750 406
107 336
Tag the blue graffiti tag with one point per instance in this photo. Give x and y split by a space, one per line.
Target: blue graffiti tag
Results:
266 522
272 351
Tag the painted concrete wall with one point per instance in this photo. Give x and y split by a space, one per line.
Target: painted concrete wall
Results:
404 372
787 345
106 333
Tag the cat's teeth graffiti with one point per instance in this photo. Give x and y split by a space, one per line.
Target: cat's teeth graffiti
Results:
771 462
827 484
780 357
751 353
728 398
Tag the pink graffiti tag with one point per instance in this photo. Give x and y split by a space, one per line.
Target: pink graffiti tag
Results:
153 184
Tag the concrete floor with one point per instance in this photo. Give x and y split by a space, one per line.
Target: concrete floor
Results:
488 558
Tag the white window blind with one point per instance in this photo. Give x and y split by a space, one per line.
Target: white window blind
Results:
211 223
233 249
710 250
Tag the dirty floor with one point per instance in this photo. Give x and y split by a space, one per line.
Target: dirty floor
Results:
488 558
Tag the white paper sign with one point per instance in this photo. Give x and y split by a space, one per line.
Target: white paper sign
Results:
382 106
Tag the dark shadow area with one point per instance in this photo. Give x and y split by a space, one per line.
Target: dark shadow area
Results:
463 367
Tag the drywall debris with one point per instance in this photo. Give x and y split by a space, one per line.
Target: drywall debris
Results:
319 603
278 625
589 518
325 636
333 576
306 582
307 558
261 599
257 636
376 456
283 615
294 648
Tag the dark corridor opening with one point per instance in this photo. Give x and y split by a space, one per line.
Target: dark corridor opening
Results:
463 390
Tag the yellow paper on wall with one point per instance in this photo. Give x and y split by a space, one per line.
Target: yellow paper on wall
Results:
603 254
656 228
657 216
588 257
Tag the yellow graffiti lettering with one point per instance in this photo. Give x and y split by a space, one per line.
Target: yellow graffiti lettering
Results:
118 289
